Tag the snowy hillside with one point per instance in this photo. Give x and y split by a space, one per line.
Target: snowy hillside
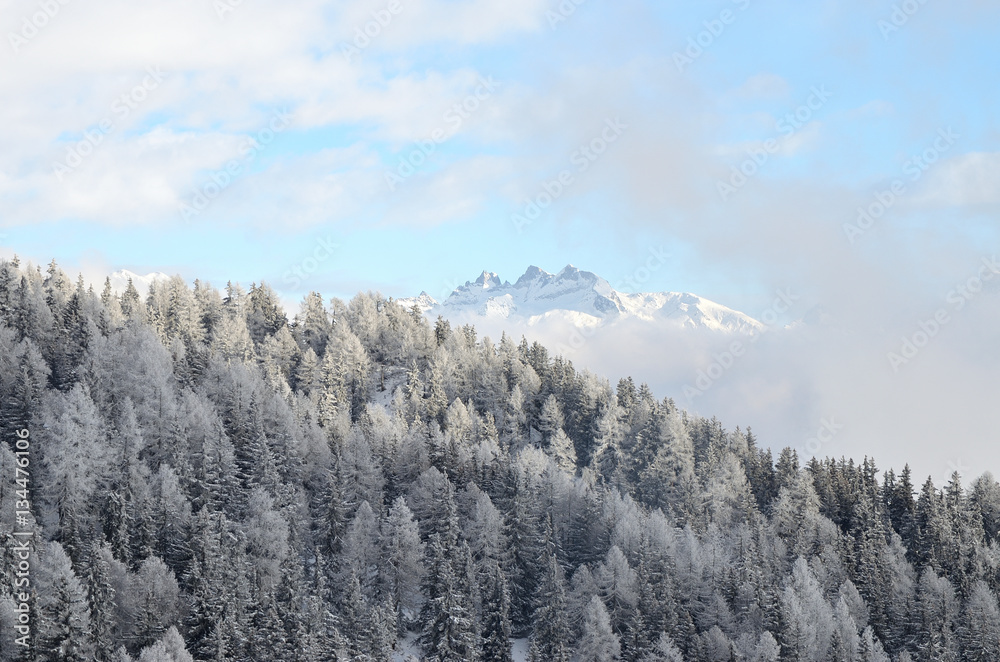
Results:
580 297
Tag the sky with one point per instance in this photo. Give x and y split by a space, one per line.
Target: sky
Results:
847 152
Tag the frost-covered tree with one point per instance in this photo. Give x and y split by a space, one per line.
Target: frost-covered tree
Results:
551 637
669 482
168 649
979 632
402 562
496 629
665 650
209 477
599 643
807 616
62 618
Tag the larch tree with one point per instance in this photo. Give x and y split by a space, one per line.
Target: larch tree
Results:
62 622
599 642
402 564
979 631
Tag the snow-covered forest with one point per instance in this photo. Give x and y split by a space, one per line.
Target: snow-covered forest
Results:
211 480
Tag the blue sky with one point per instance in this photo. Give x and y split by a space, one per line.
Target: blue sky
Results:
328 128
353 118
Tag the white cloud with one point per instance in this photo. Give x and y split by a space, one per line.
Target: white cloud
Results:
763 86
223 79
966 179
875 108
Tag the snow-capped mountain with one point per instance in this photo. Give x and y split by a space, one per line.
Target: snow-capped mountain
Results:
119 280
581 297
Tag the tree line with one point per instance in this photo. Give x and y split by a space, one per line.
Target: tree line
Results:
214 481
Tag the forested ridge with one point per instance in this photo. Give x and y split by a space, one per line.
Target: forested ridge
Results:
213 481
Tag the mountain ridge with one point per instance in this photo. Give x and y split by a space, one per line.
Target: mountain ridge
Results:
581 297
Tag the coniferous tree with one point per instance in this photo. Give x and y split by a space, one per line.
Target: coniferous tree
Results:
979 632
665 650
551 637
63 620
449 631
201 463
599 642
669 483
496 630
402 565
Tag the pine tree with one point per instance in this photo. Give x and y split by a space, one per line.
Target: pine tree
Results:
170 648
979 632
496 630
669 483
561 449
599 642
933 530
312 325
845 644
449 630
618 584
937 609
131 303
901 506
552 634
402 566
63 620
871 648
665 651
807 616
102 602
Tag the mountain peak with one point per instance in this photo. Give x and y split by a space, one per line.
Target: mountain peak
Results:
487 280
533 273
581 297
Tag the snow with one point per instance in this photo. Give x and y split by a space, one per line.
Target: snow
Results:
119 280
520 650
394 378
410 650
579 297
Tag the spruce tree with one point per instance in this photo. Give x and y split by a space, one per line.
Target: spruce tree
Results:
551 634
496 629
